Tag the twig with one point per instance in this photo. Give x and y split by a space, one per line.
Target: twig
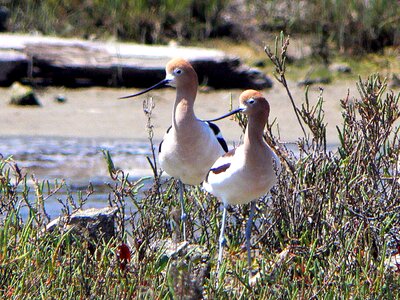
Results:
279 60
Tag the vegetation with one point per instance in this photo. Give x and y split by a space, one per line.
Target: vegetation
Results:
387 62
143 21
327 230
355 26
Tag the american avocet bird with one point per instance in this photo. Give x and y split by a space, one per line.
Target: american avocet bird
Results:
190 146
246 172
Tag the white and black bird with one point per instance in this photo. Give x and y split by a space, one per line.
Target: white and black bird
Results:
247 172
190 146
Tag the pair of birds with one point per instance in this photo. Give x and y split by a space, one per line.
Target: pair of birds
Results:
193 150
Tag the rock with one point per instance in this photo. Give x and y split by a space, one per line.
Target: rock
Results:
189 266
23 95
340 68
323 80
260 63
170 249
93 224
394 81
60 98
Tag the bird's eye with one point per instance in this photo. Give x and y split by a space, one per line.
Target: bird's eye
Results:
178 71
251 101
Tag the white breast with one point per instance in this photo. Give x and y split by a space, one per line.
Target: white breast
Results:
240 184
189 155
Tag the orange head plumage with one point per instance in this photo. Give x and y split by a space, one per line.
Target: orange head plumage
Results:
180 73
252 102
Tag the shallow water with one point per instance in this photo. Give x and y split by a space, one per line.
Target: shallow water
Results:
64 140
79 161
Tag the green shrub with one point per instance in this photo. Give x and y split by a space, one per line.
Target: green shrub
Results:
354 26
143 21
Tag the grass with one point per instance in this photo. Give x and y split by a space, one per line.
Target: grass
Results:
143 21
326 231
355 26
386 63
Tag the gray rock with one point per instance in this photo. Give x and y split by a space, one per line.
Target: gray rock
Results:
60 98
323 80
394 81
93 224
189 266
340 68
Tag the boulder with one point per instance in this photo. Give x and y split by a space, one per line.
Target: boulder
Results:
189 265
23 95
93 224
340 68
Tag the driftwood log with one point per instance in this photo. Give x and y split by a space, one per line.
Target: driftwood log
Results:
75 63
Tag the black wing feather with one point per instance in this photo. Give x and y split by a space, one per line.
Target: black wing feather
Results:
159 147
218 135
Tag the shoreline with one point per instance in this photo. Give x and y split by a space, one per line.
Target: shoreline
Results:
97 112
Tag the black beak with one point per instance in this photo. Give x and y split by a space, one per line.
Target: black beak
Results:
235 111
160 84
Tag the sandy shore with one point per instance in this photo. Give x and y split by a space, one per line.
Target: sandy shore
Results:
96 112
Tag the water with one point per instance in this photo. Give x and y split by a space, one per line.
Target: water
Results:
96 120
79 161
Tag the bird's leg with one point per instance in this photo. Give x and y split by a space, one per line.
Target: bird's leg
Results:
183 212
248 233
221 238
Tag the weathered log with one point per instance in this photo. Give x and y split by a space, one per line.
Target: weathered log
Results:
4 16
13 67
73 63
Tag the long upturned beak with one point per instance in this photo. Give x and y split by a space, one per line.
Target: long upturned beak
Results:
235 111
163 82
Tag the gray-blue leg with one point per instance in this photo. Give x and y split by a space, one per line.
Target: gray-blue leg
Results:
248 233
221 238
183 212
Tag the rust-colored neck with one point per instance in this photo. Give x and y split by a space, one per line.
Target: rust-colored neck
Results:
183 111
255 130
